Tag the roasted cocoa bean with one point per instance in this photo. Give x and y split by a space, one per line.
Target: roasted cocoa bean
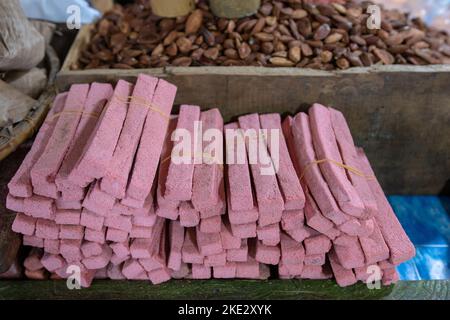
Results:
282 33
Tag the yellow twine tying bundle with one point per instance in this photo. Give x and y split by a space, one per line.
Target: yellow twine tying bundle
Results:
339 164
142 102
129 99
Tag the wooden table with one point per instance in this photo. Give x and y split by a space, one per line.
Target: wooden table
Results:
223 289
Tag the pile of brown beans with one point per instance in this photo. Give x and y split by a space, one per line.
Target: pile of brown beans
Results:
283 33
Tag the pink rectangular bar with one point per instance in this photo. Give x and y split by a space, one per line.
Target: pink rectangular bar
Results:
97 97
189 217
266 254
205 194
242 231
116 178
99 149
98 201
51 246
180 174
91 220
46 167
292 219
344 277
39 207
14 203
228 240
326 147
305 155
47 229
243 216
238 173
24 224
168 213
289 271
33 241
216 260
301 233
68 217
33 260
316 272
71 232
248 269
390 276
141 232
400 246
190 252
348 152
164 168
90 249
67 205
317 245
116 235
314 217
118 261
292 252
20 185
288 180
140 248
176 240
100 261
52 262
119 222
152 138
268 195
351 255
269 233
240 254
70 250
374 247
209 243
132 269
147 220
150 264
315 259
159 276
220 207
95 235
227 271
211 225
199 271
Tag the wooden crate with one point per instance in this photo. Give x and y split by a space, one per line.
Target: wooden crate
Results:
399 114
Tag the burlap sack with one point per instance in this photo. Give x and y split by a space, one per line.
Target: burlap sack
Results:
21 45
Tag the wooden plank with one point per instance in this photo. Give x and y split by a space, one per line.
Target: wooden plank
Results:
81 40
222 289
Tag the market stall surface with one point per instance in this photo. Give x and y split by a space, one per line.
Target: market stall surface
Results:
427 276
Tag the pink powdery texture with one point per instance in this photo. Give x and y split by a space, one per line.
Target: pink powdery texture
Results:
101 189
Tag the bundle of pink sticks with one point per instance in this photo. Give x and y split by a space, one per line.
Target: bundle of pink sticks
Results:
117 187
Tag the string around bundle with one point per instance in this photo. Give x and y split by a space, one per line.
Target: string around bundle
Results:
339 164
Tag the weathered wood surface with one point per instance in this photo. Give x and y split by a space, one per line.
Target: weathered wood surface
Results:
9 242
399 114
222 289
